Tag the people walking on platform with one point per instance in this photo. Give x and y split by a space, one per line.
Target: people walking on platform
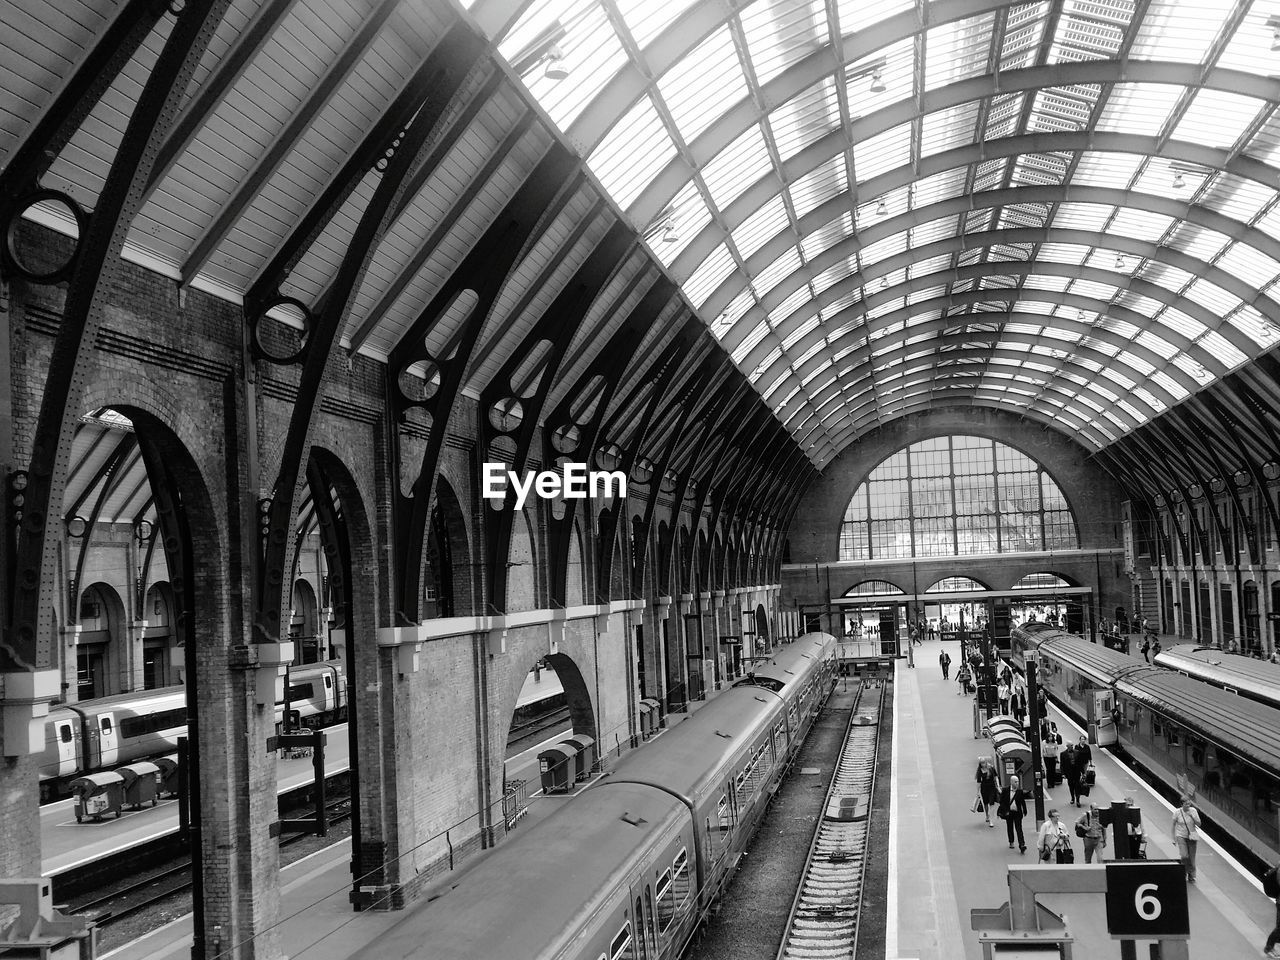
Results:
944 660
1146 649
1186 827
963 678
1067 764
1003 694
1053 842
1012 807
1049 749
1090 828
988 786
1271 887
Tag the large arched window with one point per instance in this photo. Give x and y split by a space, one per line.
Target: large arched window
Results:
952 496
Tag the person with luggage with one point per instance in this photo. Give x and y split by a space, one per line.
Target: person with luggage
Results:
1089 828
988 787
1054 843
1271 887
1011 808
963 676
1084 769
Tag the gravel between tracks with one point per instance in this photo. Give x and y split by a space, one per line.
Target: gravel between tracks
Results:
754 910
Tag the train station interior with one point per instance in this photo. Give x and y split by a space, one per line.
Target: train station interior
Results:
917 325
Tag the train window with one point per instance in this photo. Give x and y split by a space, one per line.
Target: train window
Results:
621 946
106 724
680 885
64 733
723 813
1195 751
666 902
328 682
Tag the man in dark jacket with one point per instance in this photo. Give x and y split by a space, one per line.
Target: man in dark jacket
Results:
1068 764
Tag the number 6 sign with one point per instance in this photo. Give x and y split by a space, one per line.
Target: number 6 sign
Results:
1147 900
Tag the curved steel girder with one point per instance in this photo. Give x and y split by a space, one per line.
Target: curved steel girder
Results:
737 120
1259 411
956 206
1129 479
483 271
452 63
1190 414
429 243
33 154
1157 442
1230 426
693 27
952 245
316 98
229 68
932 350
28 642
110 477
610 363
557 325
421 89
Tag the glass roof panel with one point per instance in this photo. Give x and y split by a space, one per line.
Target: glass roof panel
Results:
778 35
760 227
664 110
647 19
701 86
736 167
632 153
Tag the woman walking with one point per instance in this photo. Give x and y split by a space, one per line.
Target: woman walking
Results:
1012 808
1049 752
988 786
1186 826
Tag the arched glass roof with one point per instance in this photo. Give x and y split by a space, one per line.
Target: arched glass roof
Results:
1063 208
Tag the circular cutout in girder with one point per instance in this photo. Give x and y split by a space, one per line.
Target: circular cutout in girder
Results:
61 213
281 329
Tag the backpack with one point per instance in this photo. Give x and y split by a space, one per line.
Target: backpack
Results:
1271 883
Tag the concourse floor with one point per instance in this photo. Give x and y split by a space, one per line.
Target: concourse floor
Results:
944 861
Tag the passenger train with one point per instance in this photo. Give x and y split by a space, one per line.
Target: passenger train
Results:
1255 679
113 731
625 870
1196 738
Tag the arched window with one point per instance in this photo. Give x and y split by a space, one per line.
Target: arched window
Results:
1040 581
956 585
873 588
953 496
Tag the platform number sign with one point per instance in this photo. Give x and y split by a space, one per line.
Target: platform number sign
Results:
1147 900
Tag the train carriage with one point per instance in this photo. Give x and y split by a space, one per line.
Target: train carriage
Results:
1255 679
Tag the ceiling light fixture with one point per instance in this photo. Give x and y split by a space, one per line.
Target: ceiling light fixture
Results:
669 232
882 209
877 82
1178 181
555 69
1275 40
884 283
1119 262
1269 330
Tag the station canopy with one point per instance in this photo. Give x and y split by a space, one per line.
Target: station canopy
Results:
1065 209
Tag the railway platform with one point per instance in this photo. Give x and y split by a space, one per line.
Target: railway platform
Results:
945 862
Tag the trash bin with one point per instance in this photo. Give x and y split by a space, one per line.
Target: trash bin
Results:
98 794
557 766
141 783
646 719
1013 754
585 758
170 782
655 714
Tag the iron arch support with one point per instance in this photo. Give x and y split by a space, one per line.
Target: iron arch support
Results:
28 643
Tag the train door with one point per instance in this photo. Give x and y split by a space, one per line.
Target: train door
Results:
650 922
65 736
329 703
108 745
1102 724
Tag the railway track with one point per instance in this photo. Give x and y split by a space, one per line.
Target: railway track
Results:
169 881
823 924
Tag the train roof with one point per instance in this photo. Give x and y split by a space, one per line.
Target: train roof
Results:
1258 678
680 760
517 901
1245 727
175 696
783 668
1100 663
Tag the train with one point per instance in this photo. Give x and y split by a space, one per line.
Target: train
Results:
1249 677
625 869
110 732
1196 738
